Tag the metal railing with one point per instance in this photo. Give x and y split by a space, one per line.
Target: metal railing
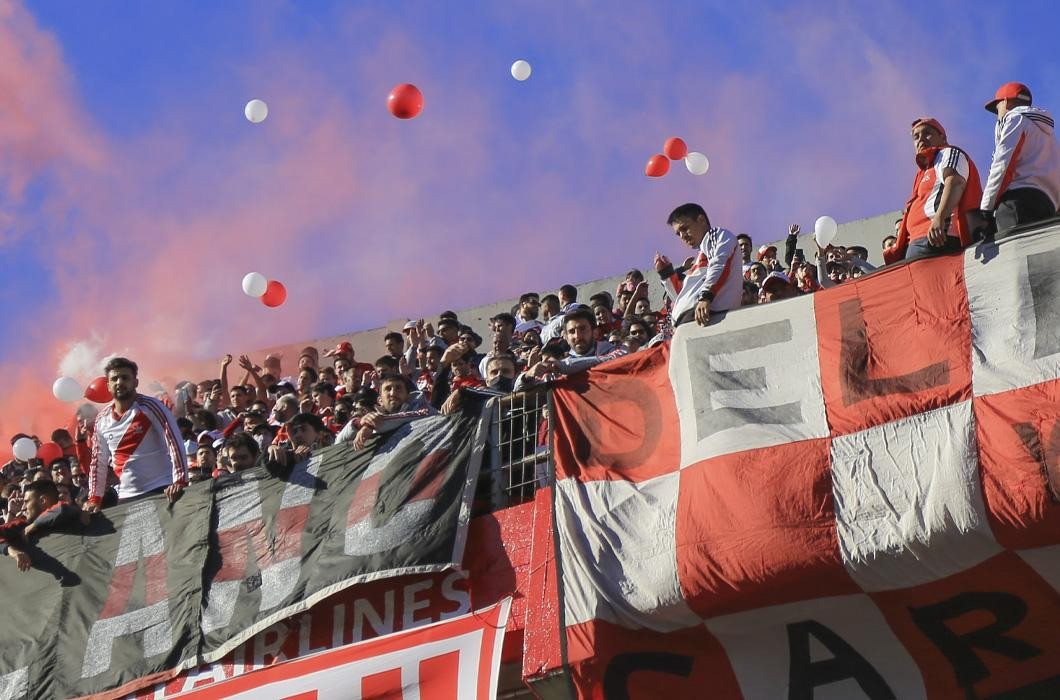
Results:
517 456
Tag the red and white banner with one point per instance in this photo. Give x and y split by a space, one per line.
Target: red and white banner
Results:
848 494
455 659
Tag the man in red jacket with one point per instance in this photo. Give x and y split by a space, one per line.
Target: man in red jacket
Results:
946 187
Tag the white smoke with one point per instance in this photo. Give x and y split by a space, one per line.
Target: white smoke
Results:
84 359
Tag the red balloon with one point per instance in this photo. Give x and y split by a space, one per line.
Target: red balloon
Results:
98 391
405 101
675 148
275 294
657 166
49 452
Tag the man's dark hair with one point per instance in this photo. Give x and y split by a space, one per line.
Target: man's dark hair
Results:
61 434
306 419
687 211
860 251
569 291
41 488
505 318
433 349
886 239
743 235
313 374
325 388
387 378
555 348
580 312
447 322
551 298
366 396
448 315
243 440
184 424
638 322
18 436
344 400
241 388
394 335
602 299
502 357
207 418
206 446
116 363
528 296
390 362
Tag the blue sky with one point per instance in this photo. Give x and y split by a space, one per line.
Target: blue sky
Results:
134 194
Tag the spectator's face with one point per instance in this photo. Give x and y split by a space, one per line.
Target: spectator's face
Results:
449 333
394 346
642 307
122 383
623 298
651 319
529 309
203 390
327 374
305 380
341 414
35 505
282 412
690 231
774 291
252 421
393 395
926 136
306 361
745 247
468 339
579 334
639 333
549 308
64 440
239 459
323 400
303 435
603 315
206 458
461 367
532 337
889 241
502 368
239 398
341 365
60 472
43 475
757 273
431 361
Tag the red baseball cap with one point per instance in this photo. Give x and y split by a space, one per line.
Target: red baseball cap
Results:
1009 91
934 123
764 251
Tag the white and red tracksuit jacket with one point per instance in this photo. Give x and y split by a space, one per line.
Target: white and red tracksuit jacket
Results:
1026 154
717 269
143 446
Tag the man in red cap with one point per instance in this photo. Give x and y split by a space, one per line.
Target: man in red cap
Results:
1024 181
945 188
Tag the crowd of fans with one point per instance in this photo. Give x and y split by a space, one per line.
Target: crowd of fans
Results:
276 416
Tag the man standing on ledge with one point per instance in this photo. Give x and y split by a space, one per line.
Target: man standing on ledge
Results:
711 283
139 438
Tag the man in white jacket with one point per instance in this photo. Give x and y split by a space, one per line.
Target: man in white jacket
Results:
714 281
1024 181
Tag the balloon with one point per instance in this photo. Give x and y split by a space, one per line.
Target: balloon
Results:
275 295
657 166
254 284
675 148
98 391
49 452
66 389
824 230
24 449
697 163
405 101
521 70
256 111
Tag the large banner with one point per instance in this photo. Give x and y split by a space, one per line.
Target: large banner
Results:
151 588
458 658
846 495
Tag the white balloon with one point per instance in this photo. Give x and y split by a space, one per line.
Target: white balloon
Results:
256 111
24 449
521 70
824 230
67 389
255 284
697 163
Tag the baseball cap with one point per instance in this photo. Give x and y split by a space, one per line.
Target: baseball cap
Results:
343 348
777 277
764 250
930 121
409 326
209 437
1008 91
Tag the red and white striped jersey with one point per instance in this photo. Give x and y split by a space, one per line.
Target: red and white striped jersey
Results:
143 447
712 271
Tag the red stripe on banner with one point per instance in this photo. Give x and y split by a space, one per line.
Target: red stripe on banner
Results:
445 669
894 344
123 578
1019 460
618 421
992 629
379 686
758 528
